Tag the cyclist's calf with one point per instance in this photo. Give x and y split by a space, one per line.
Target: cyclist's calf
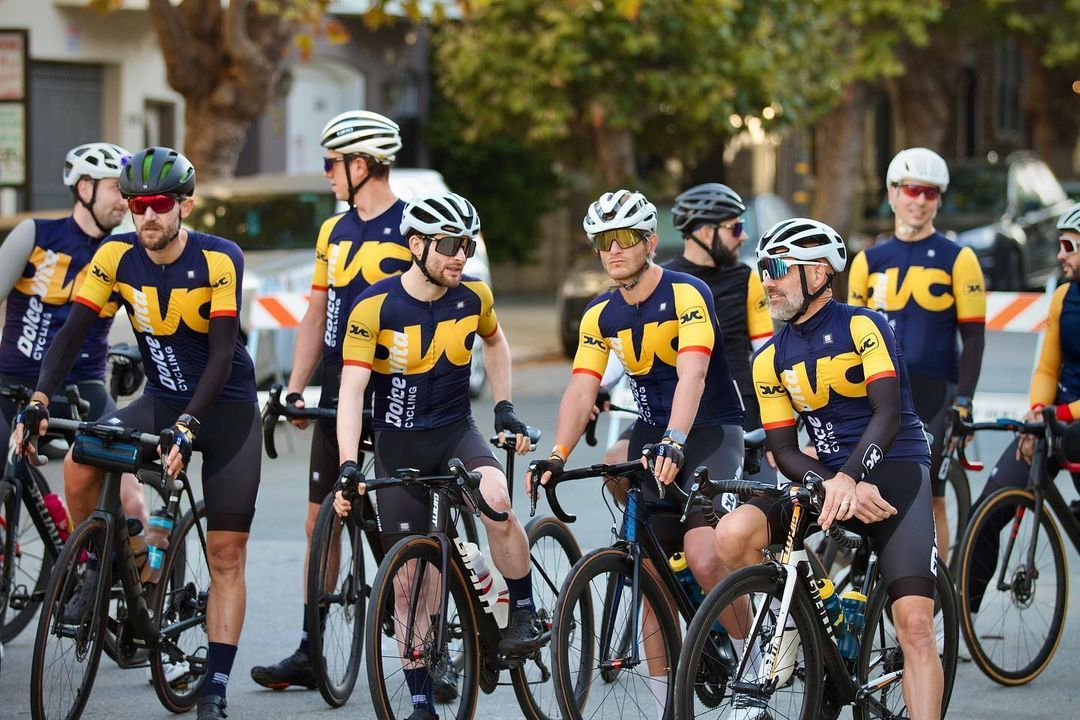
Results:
507 540
226 553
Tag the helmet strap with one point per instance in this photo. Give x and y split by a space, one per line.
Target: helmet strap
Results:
809 297
717 252
422 263
628 286
90 207
353 189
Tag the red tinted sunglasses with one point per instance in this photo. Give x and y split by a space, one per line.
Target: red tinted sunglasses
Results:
1068 245
913 191
160 204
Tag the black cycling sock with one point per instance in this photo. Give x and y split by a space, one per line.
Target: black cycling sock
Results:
304 647
420 687
521 592
219 662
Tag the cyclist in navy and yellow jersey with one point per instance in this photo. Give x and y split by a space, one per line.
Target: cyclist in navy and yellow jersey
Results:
1056 382
42 264
840 368
411 337
662 326
354 249
181 290
931 290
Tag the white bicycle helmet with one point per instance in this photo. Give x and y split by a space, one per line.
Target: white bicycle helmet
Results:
918 164
447 213
1070 219
96 160
622 209
363 132
803 239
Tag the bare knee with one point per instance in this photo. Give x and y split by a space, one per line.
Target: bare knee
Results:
915 625
227 555
739 537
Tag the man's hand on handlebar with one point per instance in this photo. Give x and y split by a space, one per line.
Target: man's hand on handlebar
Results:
545 471
351 486
668 459
1025 448
35 414
176 452
507 422
841 500
296 399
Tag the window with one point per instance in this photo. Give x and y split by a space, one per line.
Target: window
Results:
159 123
1008 79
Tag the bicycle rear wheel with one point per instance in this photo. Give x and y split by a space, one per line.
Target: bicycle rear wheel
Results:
337 599
603 580
179 606
26 561
553 550
67 648
880 655
405 595
1012 615
746 603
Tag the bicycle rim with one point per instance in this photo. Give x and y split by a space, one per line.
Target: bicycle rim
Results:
27 556
67 648
1020 621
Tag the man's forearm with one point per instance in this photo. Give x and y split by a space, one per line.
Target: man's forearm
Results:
497 361
309 349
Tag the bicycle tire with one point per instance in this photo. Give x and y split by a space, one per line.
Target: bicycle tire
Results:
880 650
383 666
958 480
343 603
71 570
180 601
993 508
553 550
764 580
574 685
32 569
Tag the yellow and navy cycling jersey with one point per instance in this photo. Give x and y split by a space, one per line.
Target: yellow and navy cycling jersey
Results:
925 288
820 369
170 308
351 255
40 302
677 317
1056 380
419 353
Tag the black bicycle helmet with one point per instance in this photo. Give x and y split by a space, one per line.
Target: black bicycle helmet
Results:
157 171
710 203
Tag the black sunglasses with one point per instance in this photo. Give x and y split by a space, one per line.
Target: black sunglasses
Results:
451 244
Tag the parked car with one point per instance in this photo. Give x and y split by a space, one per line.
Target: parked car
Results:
586 277
1006 212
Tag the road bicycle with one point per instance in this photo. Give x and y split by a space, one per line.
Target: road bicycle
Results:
165 620
447 618
1014 580
789 664
600 669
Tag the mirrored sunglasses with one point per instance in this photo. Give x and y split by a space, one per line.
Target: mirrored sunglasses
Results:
624 236
774 268
736 228
927 191
451 245
328 163
160 204
1068 245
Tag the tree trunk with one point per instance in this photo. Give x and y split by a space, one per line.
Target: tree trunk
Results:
923 98
838 140
614 151
1053 114
213 138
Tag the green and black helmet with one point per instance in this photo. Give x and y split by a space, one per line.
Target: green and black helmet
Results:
157 171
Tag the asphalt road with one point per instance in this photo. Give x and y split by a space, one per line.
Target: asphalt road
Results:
276 555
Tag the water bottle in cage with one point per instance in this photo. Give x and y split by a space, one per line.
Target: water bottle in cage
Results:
489 583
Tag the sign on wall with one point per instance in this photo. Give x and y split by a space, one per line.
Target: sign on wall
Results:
14 48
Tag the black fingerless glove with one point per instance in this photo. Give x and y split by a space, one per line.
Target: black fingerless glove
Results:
553 464
182 438
293 397
670 449
603 399
349 477
506 420
32 415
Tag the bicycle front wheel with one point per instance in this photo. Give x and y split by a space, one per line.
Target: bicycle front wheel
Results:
26 561
179 604
958 510
404 656
732 631
71 627
337 599
1012 612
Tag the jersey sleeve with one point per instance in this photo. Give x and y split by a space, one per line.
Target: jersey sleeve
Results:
226 270
488 322
320 279
592 351
758 321
697 318
97 286
1045 378
772 396
875 345
858 276
968 288
362 330
15 251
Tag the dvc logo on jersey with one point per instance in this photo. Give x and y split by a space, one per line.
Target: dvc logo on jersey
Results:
450 340
930 288
657 341
831 374
184 305
372 261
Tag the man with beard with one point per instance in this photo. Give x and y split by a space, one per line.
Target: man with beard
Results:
412 337
840 368
931 291
56 254
181 290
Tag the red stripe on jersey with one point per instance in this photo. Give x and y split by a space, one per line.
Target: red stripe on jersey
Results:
779 424
357 363
222 313
87 303
492 332
696 348
979 319
878 376
587 371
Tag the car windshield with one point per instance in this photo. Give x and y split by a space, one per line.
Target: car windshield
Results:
278 222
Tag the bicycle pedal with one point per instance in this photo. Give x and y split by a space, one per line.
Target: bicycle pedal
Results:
19 598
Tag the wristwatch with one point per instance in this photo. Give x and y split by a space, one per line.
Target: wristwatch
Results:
676 436
190 422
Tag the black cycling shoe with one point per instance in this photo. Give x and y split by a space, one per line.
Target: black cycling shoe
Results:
446 685
82 600
212 707
293 670
422 713
522 636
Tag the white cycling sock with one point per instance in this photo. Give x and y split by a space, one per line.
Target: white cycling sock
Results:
658 685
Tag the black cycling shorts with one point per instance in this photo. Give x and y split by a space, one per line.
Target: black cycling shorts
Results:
403 511
717 447
324 460
904 542
230 442
932 398
92 391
